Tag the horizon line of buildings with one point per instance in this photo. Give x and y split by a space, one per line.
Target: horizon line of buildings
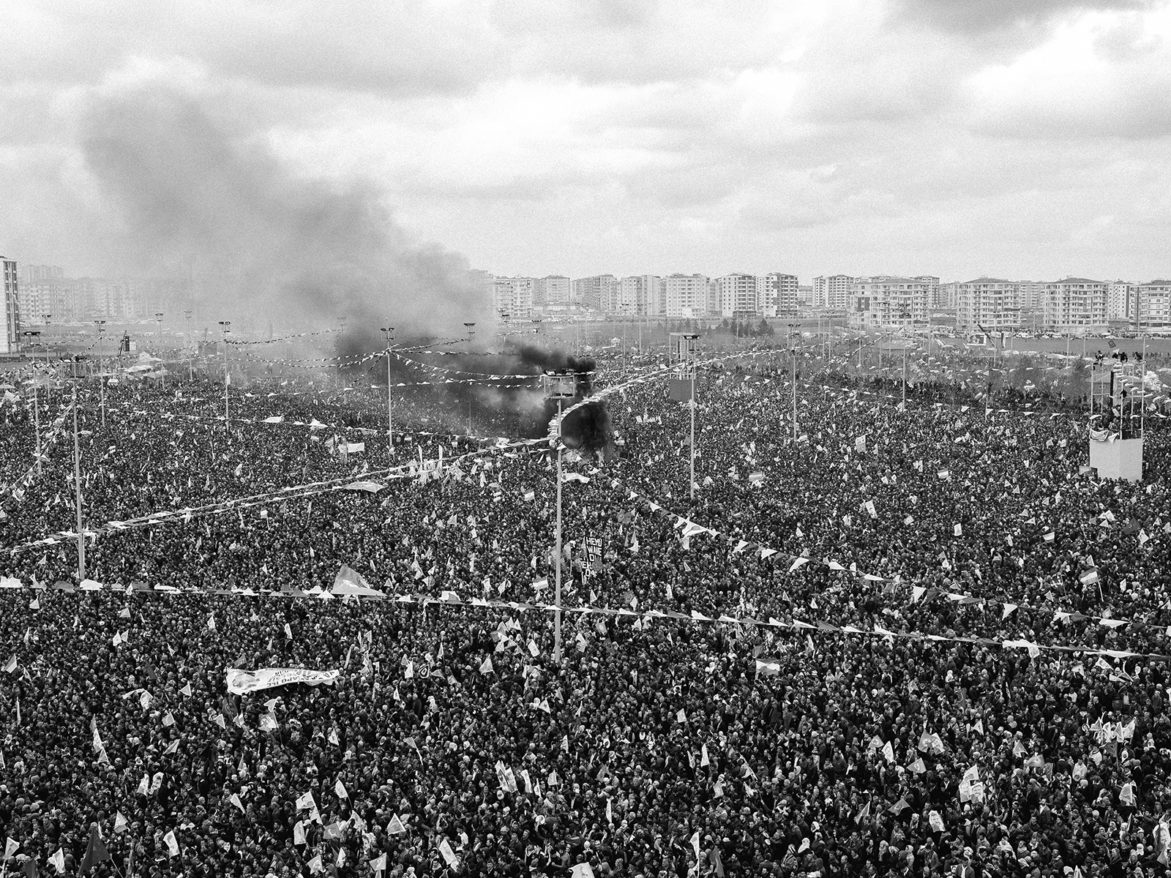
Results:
42 293
877 301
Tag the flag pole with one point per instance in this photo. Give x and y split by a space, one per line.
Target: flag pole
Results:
77 493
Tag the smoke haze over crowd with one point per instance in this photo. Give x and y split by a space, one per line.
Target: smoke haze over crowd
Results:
184 188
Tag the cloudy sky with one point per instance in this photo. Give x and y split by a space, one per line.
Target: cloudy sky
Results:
1021 138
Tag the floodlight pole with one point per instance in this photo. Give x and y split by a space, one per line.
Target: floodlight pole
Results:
1142 374
77 489
904 376
691 481
101 324
557 559
190 341
388 331
793 354
37 422
159 318
224 325
471 328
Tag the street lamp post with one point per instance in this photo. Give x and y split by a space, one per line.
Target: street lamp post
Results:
101 324
159 318
388 331
793 354
77 485
36 401
471 328
560 386
190 341
682 352
904 375
49 395
225 326
557 561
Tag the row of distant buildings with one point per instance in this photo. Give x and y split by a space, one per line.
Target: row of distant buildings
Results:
41 295
645 295
1068 305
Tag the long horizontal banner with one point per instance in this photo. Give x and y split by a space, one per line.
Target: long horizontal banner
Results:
241 682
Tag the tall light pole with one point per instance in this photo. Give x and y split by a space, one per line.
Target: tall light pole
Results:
560 386
388 331
225 326
341 321
904 376
190 341
471 328
36 400
77 484
683 352
101 324
48 396
159 318
793 355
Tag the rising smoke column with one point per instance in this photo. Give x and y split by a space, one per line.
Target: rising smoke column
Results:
524 408
183 186
587 428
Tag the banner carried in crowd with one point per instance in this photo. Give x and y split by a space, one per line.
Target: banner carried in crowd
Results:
241 682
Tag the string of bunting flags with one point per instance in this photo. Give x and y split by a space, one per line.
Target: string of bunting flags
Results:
421 471
691 528
313 424
241 341
15 491
639 619
427 367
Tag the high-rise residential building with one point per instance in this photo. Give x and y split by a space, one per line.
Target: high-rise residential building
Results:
891 301
713 297
1074 304
686 295
10 336
804 295
987 303
777 293
832 291
1031 294
1118 300
737 295
1151 305
946 297
553 289
639 294
30 274
656 296
513 296
597 292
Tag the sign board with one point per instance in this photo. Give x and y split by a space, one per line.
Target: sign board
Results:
560 385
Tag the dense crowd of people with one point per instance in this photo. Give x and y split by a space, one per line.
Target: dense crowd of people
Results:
697 731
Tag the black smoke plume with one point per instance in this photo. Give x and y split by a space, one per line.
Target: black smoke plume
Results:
587 428
190 187
515 411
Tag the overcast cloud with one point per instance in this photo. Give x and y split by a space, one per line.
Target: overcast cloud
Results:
1021 139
